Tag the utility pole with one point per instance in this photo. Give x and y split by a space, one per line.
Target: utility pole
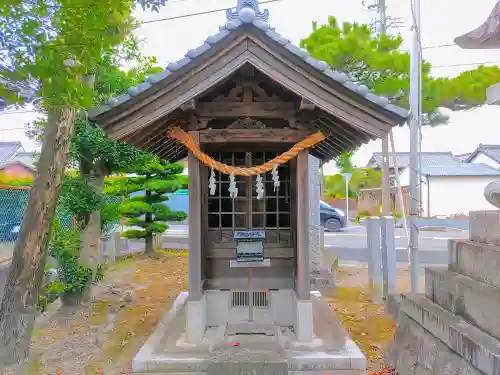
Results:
415 119
386 183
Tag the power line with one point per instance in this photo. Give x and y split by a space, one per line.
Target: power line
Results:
465 64
432 67
199 13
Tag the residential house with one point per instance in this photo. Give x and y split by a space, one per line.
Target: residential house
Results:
463 157
15 162
403 161
454 189
451 185
486 154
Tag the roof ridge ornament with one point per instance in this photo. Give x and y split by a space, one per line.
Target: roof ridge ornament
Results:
247 11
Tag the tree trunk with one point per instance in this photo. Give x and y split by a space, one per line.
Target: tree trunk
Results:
148 218
150 249
91 234
18 309
90 237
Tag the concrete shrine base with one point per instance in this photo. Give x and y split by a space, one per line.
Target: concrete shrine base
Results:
262 347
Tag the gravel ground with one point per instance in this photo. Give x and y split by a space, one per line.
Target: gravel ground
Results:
106 333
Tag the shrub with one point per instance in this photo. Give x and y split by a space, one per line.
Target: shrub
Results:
64 247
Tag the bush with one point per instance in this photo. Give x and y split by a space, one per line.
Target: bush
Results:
65 248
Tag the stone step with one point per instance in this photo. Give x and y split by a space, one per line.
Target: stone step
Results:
476 347
484 226
477 260
476 302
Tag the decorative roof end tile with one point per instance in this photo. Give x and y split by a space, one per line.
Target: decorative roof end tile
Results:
296 50
217 37
277 37
113 102
337 76
143 86
195 52
247 11
262 25
397 110
158 77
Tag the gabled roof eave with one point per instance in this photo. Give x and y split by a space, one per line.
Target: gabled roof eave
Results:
249 18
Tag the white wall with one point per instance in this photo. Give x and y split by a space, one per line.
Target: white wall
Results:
482 158
451 195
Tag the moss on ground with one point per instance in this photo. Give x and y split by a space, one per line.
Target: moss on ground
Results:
367 323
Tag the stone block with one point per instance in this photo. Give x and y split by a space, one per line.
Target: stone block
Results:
484 227
477 260
476 302
416 351
392 305
304 321
480 350
196 313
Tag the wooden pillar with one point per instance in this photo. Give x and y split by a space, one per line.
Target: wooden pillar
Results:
302 180
195 226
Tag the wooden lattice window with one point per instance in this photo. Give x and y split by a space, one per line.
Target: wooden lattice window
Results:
246 212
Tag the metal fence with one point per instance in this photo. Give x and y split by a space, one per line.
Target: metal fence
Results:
13 202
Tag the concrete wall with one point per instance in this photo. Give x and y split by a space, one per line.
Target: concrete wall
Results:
452 195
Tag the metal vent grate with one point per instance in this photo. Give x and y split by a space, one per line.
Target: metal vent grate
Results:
241 299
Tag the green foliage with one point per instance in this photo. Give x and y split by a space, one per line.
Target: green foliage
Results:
110 216
14 181
51 44
344 162
65 247
362 178
378 62
78 197
100 272
155 178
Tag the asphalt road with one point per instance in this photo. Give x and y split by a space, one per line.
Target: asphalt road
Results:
349 245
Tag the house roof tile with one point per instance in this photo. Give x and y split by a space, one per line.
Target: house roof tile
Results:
492 151
462 169
8 150
403 159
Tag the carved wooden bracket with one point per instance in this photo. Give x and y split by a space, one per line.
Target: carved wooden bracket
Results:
241 109
266 135
307 105
190 105
247 123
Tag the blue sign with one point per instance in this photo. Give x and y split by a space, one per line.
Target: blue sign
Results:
249 235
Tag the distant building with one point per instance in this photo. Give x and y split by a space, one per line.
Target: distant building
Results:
451 184
15 162
403 161
486 154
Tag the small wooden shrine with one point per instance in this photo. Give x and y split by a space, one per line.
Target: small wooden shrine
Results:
248 108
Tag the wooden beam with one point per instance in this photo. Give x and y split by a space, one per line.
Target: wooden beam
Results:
303 241
253 109
307 105
195 225
251 135
247 71
190 105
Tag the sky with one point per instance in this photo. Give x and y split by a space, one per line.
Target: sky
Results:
441 22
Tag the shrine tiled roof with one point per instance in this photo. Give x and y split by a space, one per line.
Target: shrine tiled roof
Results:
247 13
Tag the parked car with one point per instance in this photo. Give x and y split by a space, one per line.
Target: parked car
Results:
331 218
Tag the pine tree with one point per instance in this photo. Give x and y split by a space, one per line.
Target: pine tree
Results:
148 212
